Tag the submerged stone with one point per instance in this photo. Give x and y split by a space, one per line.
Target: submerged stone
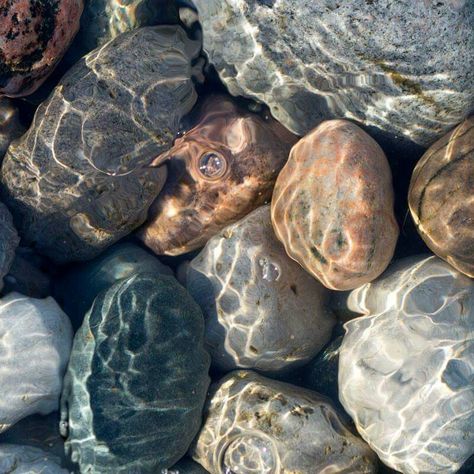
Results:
137 378
19 459
10 126
9 241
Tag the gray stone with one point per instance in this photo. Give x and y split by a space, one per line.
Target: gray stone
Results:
10 126
80 179
18 459
403 68
9 241
406 368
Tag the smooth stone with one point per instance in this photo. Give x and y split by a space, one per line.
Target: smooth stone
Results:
403 69
18 459
9 241
406 369
76 289
255 424
332 206
224 167
35 342
261 309
185 466
137 379
35 35
10 125
80 178
441 197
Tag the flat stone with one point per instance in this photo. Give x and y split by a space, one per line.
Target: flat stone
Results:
10 126
255 424
19 459
406 368
137 379
262 310
403 69
441 197
332 206
80 178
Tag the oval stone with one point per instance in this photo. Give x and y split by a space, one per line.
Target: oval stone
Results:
10 125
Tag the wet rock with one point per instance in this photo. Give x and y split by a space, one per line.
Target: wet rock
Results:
35 35
19 459
332 206
9 241
219 171
254 424
76 289
137 378
185 466
262 310
10 126
35 341
406 369
80 178
441 197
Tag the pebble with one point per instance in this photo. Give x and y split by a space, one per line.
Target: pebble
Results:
19 459
10 125
9 241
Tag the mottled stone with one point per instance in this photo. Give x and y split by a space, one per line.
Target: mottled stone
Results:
441 197
403 68
76 289
10 126
332 206
35 35
218 172
8 242
262 310
255 424
19 459
406 369
137 378
35 341
80 178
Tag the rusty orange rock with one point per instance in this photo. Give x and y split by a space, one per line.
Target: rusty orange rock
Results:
441 197
332 206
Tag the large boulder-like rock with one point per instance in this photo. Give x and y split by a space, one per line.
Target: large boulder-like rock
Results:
20 459
137 378
80 178
402 68
406 368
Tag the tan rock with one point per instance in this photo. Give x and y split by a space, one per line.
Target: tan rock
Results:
441 197
332 206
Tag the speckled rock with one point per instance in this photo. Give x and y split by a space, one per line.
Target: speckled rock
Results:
19 459
219 171
262 310
441 197
80 178
8 242
76 289
35 35
406 370
10 126
137 378
332 206
255 424
35 341
403 68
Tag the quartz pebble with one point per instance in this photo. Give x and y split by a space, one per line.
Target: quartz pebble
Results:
406 369
35 35
332 206
80 178
10 125
262 310
137 378
255 424
35 342
402 68
19 459
441 197
219 171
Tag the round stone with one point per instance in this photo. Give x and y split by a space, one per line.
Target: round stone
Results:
21 459
10 126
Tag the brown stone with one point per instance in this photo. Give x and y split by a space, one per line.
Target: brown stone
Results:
441 197
332 206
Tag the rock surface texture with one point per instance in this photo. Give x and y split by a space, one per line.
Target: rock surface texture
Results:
406 369
137 379
9 241
35 35
262 310
35 342
441 197
10 126
18 459
218 172
80 178
255 424
332 206
403 68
